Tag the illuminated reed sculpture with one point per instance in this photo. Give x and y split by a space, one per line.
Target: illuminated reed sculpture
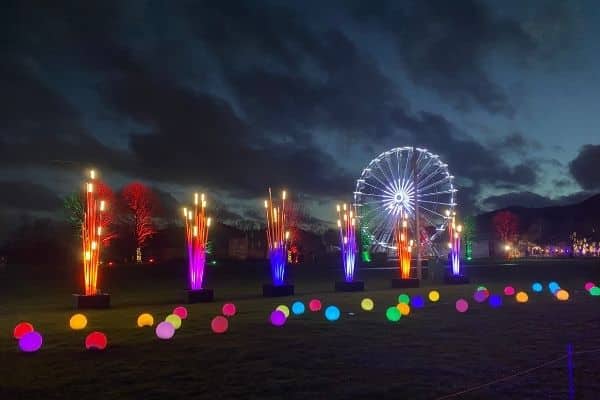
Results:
347 228
91 235
404 247
454 274
277 243
197 225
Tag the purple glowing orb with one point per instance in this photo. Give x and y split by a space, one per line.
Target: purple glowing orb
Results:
30 342
277 318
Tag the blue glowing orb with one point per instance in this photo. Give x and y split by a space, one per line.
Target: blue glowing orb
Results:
537 287
495 300
298 308
332 313
553 287
417 301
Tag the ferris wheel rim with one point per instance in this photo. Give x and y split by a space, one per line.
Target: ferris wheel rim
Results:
439 169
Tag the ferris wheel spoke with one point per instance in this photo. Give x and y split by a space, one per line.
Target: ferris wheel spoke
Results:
426 166
445 178
387 188
431 211
435 193
436 202
391 182
431 175
373 186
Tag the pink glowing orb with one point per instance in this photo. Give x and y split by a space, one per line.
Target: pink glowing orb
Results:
229 309
219 324
165 330
314 305
278 318
96 341
462 305
509 291
31 342
589 285
181 312
21 329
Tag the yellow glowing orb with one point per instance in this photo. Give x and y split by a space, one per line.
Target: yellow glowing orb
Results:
562 295
434 296
145 319
367 304
174 320
78 322
403 308
284 309
522 297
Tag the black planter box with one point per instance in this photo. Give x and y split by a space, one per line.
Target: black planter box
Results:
354 286
82 301
405 283
456 279
200 296
270 290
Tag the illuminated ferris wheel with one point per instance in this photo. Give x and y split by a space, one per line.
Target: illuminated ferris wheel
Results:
386 191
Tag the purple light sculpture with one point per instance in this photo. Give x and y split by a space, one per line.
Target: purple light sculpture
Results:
346 224
454 232
196 234
277 238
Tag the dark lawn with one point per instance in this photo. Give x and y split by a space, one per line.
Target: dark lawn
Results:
433 352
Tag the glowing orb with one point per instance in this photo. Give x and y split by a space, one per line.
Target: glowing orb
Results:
417 301
480 296
314 305
404 298
434 296
181 312
403 308
229 309
481 288
145 319
367 304
277 318
298 308
96 341
30 342
284 309
553 287
589 285
537 287
595 291
219 324
562 295
522 297
495 300
21 329
174 320
78 322
332 313
165 330
509 291
392 314
462 305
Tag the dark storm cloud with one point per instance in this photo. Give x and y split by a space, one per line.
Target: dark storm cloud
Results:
28 196
445 44
533 200
584 167
516 143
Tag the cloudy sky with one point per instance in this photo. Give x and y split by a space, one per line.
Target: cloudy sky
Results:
230 97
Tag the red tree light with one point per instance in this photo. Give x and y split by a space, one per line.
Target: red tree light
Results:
506 225
140 204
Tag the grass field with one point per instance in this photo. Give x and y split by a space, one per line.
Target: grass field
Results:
433 352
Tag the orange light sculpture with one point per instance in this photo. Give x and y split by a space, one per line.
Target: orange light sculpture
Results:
91 233
404 246
196 235
277 238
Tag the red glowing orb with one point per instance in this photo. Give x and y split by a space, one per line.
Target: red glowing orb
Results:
315 305
22 329
229 309
96 341
219 324
181 312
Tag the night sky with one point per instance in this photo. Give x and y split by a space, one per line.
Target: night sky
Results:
229 97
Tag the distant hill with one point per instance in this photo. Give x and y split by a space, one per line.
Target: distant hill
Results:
550 224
